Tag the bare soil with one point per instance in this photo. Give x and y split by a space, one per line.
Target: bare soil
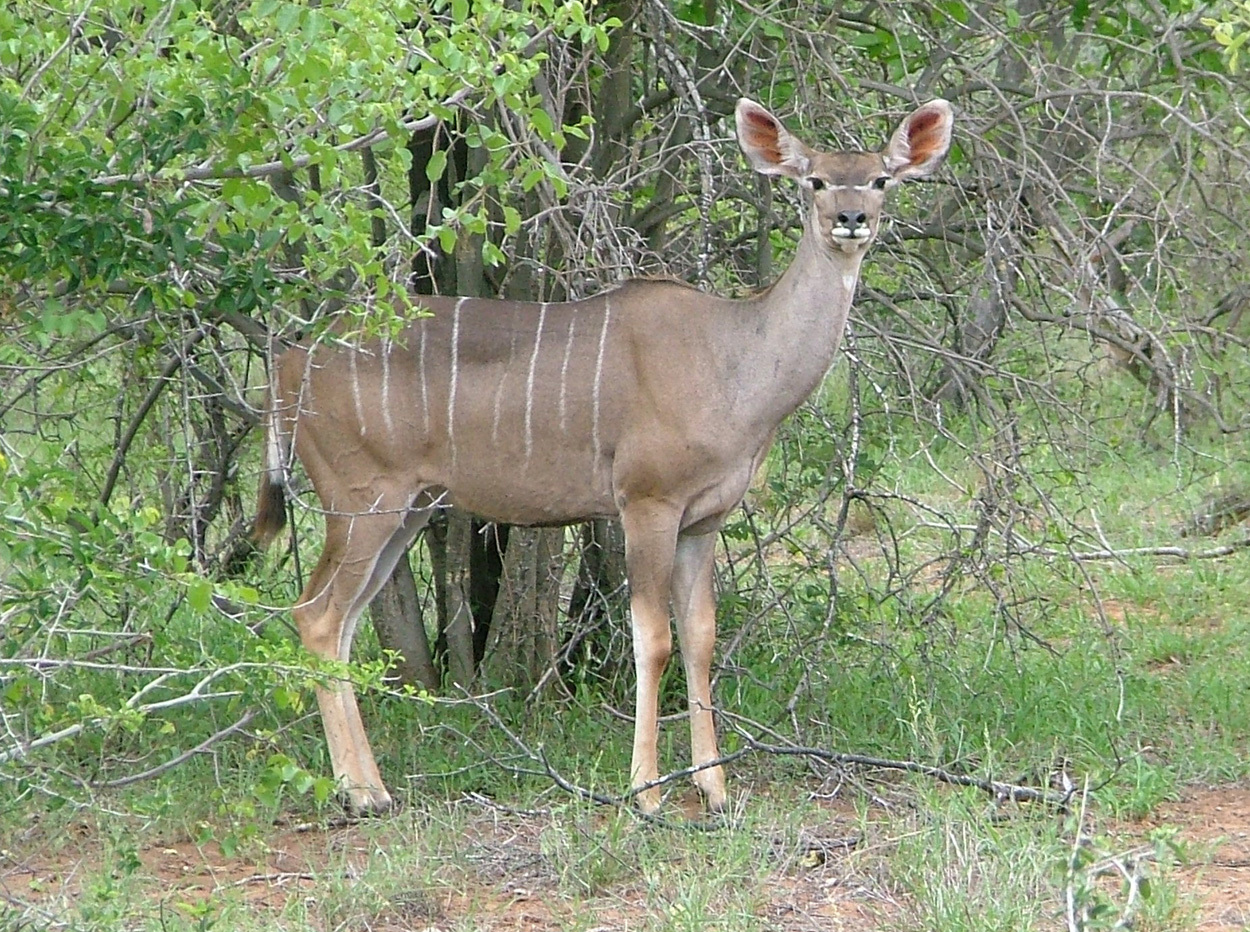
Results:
511 887
1216 822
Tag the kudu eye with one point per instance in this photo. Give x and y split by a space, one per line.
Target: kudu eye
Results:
880 182
816 183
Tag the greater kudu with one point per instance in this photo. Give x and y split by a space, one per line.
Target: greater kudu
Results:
653 403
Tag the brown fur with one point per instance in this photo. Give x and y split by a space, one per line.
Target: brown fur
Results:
924 134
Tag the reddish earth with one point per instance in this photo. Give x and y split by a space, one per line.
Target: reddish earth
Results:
1217 823
511 886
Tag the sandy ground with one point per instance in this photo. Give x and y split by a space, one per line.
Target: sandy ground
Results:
512 888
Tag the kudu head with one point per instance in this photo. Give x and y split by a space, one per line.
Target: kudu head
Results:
847 189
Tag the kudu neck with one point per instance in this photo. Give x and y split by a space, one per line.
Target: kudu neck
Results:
806 311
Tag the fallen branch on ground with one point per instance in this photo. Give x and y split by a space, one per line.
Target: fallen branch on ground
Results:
1000 790
1180 553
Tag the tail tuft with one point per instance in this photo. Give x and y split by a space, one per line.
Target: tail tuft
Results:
271 496
270 511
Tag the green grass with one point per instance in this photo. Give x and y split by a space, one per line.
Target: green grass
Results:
944 860
905 639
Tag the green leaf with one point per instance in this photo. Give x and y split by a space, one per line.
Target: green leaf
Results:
436 166
288 16
1080 13
200 594
541 122
532 177
323 788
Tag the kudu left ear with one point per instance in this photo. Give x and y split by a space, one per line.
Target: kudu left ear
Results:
918 146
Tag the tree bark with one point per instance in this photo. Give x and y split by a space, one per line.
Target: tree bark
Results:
525 626
457 634
397 619
598 597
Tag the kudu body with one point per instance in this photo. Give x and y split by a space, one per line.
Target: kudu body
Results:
653 403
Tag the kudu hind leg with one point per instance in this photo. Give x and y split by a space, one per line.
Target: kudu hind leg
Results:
360 553
694 604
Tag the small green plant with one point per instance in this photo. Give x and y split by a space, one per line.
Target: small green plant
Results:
1107 887
203 913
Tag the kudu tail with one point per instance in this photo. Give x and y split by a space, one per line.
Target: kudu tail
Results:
271 496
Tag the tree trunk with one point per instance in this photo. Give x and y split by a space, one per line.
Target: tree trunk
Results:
598 602
979 327
457 634
397 619
525 626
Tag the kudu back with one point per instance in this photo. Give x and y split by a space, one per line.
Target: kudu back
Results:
653 403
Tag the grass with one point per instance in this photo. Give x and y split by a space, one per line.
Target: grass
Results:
1128 677
942 861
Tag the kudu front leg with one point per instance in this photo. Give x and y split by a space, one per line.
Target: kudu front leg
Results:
694 604
650 542
351 756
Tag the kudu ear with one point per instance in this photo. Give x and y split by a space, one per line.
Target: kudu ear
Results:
768 146
920 143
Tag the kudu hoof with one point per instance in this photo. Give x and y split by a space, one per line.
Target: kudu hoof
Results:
366 801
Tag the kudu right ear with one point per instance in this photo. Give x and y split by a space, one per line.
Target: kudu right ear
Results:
920 143
767 144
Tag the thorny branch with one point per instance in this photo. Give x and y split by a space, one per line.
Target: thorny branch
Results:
186 755
162 679
1082 899
999 790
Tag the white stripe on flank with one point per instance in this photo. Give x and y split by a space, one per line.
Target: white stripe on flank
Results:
425 395
455 374
386 386
529 383
360 408
564 371
603 341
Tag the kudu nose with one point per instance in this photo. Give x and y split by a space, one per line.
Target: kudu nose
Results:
852 219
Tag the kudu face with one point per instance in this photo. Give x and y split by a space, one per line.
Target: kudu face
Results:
847 189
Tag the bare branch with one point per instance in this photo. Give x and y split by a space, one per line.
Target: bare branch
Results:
181 758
